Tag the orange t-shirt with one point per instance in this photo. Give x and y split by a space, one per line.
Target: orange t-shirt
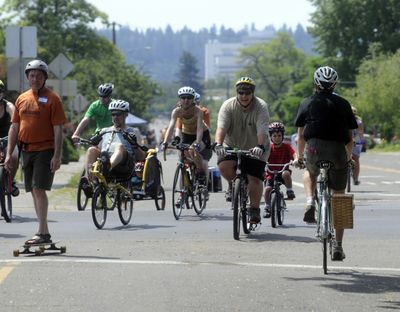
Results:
36 116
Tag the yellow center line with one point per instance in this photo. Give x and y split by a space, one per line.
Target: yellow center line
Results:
7 269
380 169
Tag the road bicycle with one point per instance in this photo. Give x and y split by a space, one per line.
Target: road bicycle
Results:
147 180
277 199
240 196
5 184
186 189
324 231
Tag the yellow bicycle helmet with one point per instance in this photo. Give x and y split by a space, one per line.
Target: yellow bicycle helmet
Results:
246 81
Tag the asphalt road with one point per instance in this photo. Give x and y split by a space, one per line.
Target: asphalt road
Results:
159 264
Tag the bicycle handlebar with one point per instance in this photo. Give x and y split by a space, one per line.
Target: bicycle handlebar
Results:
284 167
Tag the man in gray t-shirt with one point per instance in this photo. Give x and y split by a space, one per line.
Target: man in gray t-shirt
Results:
243 123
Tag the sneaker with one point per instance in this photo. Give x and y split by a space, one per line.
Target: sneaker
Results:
14 189
267 211
105 161
86 187
309 215
254 215
290 194
357 182
337 252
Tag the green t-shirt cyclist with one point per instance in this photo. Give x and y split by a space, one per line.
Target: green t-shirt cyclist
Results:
98 110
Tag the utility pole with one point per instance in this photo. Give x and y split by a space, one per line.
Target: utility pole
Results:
114 37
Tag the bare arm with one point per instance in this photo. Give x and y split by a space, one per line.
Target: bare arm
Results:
12 142
220 135
349 146
171 125
301 143
58 138
199 129
79 129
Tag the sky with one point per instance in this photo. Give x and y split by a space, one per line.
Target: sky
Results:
199 14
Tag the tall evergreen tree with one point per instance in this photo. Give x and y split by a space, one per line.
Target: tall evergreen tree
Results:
188 74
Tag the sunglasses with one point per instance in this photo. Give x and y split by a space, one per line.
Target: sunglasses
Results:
244 92
116 114
186 97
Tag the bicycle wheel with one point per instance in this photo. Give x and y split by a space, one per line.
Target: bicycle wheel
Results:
99 207
281 210
236 208
199 203
325 255
274 208
160 198
179 194
81 198
125 207
5 195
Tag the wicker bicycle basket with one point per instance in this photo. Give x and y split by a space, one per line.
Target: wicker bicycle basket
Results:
342 211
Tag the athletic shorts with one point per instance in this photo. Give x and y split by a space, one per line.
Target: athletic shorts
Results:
206 153
357 148
335 152
36 167
250 166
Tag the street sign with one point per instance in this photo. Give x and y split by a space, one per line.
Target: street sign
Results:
61 66
15 74
79 103
62 87
21 42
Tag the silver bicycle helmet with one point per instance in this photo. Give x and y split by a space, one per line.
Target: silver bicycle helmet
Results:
119 105
105 90
39 65
325 78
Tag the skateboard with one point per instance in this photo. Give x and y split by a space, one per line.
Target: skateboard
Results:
39 249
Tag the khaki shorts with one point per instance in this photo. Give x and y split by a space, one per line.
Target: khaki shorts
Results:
37 173
335 152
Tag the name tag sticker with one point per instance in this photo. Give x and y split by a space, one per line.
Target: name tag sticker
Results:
43 99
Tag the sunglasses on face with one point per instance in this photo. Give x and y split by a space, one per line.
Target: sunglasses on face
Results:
116 114
244 92
186 97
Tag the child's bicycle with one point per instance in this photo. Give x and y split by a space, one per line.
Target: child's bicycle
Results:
147 180
278 204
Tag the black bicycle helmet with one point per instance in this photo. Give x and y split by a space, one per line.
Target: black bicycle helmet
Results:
2 86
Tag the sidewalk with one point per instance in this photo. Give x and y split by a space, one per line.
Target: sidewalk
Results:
58 199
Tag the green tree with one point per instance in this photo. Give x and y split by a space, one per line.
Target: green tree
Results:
345 29
63 28
188 74
276 67
376 96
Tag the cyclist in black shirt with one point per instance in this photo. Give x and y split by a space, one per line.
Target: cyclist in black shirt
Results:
325 122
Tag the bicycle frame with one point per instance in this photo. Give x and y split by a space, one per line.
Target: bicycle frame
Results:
324 230
278 213
6 189
240 196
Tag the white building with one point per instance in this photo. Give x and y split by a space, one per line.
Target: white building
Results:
221 59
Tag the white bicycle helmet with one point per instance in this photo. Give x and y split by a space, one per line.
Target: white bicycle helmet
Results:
325 78
197 97
186 91
119 105
105 90
37 64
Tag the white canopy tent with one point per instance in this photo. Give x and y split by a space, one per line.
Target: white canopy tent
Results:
133 120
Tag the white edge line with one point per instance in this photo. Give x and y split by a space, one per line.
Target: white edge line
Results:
167 262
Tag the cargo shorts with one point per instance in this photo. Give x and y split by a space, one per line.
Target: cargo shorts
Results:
333 151
37 172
